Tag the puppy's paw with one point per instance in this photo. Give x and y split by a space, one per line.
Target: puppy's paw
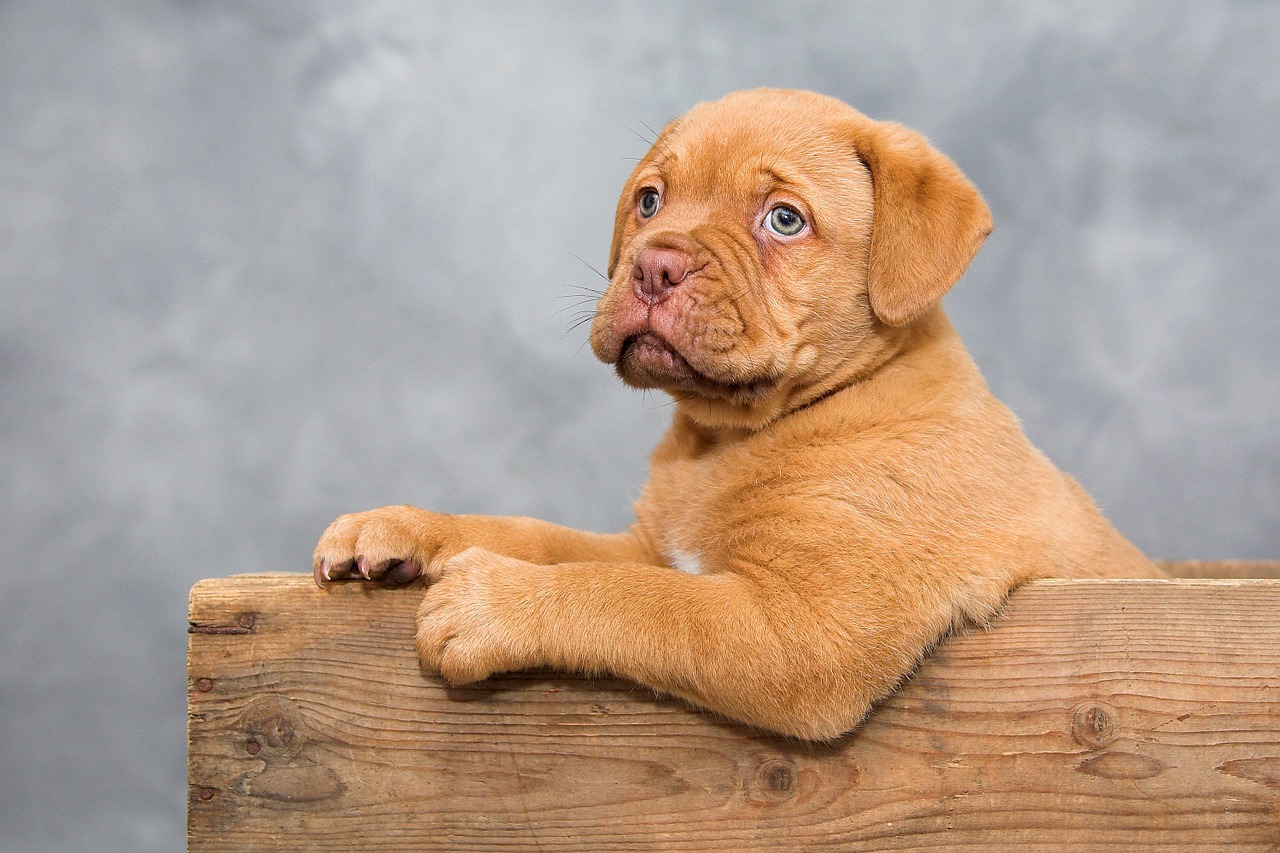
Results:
470 624
393 545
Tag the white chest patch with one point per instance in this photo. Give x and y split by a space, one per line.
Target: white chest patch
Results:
686 562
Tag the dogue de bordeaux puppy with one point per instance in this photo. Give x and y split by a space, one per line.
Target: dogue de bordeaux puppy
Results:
838 489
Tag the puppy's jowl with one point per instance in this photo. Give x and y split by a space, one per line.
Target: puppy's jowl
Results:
838 488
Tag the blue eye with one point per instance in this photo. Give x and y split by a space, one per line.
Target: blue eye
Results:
784 221
648 203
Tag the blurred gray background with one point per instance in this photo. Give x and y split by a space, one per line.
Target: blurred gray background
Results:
262 263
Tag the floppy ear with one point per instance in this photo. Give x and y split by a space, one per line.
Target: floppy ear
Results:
928 222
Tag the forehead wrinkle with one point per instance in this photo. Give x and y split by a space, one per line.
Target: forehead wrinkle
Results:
662 155
770 179
747 158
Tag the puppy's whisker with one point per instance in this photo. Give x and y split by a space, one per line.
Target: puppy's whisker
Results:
588 266
585 289
574 326
674 401
582 292
577 305
580 318
638 135
671 401
657 138
581 298
578 314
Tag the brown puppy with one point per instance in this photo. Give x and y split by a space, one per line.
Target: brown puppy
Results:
838 489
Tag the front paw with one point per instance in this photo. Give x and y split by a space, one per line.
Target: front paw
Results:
475 621
393 545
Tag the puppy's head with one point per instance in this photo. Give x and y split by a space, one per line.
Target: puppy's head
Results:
771 246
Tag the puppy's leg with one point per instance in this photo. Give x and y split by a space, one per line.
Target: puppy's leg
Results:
726 642
396 544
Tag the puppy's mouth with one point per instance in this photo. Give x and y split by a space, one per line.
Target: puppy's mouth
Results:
646 360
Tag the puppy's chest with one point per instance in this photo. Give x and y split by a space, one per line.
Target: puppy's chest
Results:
685 510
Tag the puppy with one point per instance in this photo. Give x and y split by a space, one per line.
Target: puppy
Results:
838 489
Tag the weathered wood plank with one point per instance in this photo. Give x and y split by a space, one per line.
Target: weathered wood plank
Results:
1095 715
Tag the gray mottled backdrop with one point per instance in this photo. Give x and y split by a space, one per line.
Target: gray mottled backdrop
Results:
263 263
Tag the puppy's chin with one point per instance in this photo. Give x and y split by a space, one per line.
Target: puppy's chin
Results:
648 361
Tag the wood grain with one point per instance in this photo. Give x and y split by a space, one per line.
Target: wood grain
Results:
1094 715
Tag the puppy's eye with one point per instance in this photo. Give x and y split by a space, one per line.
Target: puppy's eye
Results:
784 221
648 203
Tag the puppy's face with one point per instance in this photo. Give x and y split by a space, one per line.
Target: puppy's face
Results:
750 265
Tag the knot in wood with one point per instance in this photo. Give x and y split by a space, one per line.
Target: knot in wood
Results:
277 732
1094 725
273 727
776 779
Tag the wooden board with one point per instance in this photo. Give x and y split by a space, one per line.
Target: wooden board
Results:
1095 715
